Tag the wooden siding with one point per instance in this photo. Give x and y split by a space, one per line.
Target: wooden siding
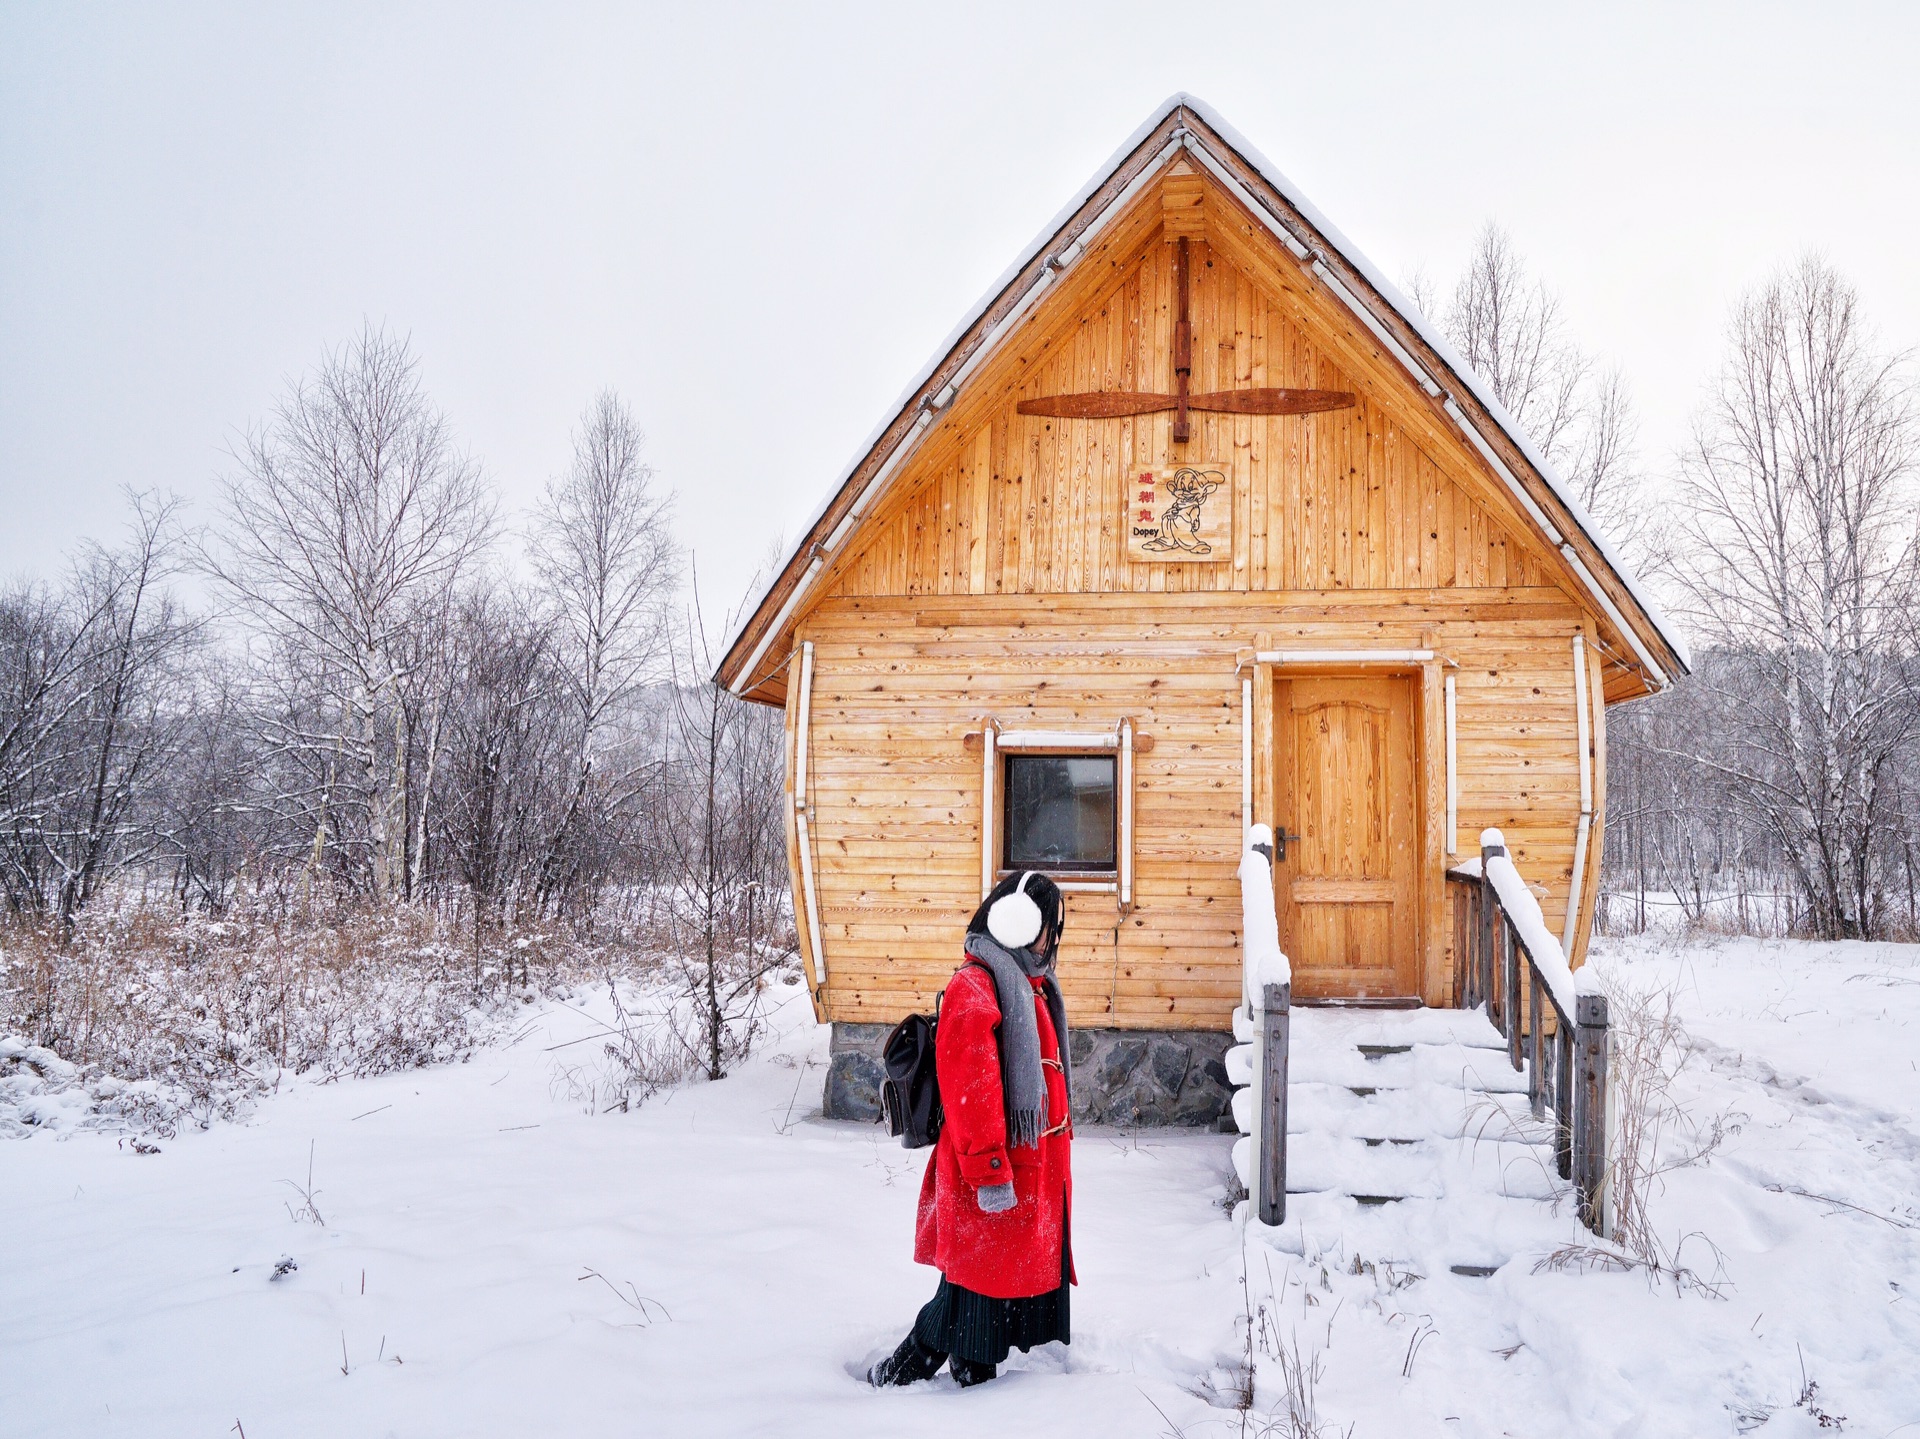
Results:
1323 502
894 796
993 583
1347 499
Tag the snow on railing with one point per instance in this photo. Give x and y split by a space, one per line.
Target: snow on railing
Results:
1525 915
1263 962
1499 932
1259 1067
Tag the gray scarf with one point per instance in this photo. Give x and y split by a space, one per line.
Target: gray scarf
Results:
1023 1079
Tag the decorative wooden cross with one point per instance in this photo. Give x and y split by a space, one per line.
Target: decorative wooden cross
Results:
1112 404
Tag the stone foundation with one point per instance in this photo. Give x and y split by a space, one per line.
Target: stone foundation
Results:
1120 1076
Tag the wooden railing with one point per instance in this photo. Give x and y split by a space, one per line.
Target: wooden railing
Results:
1507 961
1265 1024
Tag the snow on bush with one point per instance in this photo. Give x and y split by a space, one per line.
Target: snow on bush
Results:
147 1020
669 1026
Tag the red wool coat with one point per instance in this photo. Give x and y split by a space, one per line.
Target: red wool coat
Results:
1016 1254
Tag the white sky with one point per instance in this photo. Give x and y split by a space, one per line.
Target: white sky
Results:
755 223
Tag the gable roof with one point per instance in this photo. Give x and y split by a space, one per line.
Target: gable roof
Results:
1414 344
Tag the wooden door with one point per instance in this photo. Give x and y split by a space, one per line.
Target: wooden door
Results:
1345 783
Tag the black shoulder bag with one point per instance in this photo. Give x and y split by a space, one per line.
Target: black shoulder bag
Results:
910 1094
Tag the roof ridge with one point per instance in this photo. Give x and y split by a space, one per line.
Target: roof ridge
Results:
1330 237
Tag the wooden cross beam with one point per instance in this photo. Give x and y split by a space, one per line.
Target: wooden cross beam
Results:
1114 404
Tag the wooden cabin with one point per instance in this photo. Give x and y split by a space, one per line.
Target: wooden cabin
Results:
1193 523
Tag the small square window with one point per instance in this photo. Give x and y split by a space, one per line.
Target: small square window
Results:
1060 812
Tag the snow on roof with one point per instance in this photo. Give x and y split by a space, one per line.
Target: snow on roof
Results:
1439 344
945 348
1348 251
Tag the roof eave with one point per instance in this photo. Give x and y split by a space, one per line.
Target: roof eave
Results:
885 450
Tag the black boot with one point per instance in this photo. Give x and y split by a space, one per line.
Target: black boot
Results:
908 1364
966 1373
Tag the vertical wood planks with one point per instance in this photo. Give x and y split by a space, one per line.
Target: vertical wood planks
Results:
1536 1049
1509 956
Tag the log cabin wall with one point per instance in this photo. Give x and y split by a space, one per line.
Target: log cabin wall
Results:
895 794
994 584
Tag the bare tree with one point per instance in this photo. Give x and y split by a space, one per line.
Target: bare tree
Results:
89 716
1509 326
1799 482
504 753
720 794
127 725
206 817
351 518
604 549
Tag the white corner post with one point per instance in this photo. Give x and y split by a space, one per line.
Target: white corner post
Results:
809 895
1124 865
1453 767
989 794
1246 757
1583 727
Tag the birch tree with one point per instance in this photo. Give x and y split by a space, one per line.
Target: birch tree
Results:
1799 484
1509 326
353 515
126 725
604 550
89 713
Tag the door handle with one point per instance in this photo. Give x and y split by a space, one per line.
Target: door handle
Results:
1280 839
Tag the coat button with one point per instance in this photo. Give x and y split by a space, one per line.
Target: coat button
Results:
993 1164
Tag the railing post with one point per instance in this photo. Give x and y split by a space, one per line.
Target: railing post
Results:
1563 1100
1462 990
1488 911
1536 1046
1590 1108
1462 986
1510 989
1275 1034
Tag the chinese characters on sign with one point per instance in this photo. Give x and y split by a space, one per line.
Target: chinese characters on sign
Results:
1180 512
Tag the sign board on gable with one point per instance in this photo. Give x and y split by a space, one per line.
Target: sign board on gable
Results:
1182 513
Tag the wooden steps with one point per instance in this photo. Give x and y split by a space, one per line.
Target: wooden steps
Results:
1409 1133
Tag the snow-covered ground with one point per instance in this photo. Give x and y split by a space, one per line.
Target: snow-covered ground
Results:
495 1260
750 1257
1801 1224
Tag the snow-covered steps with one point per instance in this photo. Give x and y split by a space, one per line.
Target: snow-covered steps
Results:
1415 1112
1394 1027
1422 1168
1450 1065
1393 1169
1409 1133
1470 1232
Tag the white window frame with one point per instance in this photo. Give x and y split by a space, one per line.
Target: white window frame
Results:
1117 742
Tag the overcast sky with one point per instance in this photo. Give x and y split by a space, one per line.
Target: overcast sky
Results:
755 223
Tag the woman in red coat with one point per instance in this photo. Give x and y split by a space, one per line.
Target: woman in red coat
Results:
995 1201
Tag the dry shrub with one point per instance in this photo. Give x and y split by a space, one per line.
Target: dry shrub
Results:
172 1018
659 1034
1650 1134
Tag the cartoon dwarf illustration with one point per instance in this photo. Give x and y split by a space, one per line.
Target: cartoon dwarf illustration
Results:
1180 525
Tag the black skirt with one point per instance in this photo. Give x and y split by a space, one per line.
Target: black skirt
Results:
982 1329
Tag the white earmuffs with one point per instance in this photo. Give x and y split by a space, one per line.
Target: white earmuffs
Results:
1015 920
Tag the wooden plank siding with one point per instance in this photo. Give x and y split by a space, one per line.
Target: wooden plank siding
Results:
1347 499
896 796
992 582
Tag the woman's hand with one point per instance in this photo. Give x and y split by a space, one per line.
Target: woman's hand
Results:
995 1198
